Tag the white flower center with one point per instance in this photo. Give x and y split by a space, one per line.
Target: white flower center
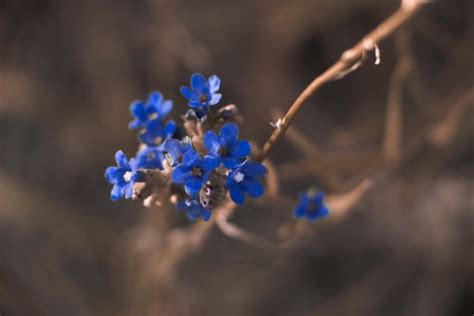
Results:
239 177
127 175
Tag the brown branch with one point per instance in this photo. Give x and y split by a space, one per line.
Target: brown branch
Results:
235 232
446 129
407 9
393 126
340 204
317 164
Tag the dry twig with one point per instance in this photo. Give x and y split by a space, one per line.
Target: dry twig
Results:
407 9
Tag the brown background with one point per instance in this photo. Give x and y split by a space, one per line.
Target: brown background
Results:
68 70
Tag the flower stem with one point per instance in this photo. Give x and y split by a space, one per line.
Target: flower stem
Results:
351 56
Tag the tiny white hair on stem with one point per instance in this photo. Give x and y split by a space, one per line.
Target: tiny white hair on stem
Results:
371 45
277 124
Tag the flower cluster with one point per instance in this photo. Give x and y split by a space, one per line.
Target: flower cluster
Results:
195 169
311 206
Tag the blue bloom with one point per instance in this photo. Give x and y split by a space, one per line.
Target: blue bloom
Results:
122 177
226 147
175 149
194 210
150 158
311 206
193 171
155 132
202 93
243 179
156 107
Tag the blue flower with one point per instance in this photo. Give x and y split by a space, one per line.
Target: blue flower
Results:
311 206
194 210
202 92
243 179
193 171
156 107
150 158
122 177
175 149
226 147
155 132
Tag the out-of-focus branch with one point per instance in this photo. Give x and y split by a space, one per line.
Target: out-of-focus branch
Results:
272 180
340 204
446 129
316 163
180 243
393 125
234 231
406 11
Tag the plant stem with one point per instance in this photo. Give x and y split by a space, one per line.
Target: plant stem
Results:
351 56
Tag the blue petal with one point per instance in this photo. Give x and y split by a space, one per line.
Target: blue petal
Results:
121 160
112 174
188 93
138 176
180 174
154 129
304 200
192 186
209 163
236 193
318 198
241 149
198 81
214 84
166 108
196 104
313 216
206 215
116 193
134 124
324 211
229 133
211 141
253 169
138 110
155 99
170 129
230 163
216 97
253 188
132 163
190 157
299 212
150 158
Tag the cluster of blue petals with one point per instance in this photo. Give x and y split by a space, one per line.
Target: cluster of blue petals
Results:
223 151
311 207
123 176
150 118
226 154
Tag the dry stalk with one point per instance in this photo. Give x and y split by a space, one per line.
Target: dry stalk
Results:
350 57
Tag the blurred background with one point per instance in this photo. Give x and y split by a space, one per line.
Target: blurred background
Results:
68 71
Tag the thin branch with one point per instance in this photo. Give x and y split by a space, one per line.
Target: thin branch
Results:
393 126
446 129
272 179
340 204
317 164
235 232
406 11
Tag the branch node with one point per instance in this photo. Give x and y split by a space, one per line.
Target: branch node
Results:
278 124
369 45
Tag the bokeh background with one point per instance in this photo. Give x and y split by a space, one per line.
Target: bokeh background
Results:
68 71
